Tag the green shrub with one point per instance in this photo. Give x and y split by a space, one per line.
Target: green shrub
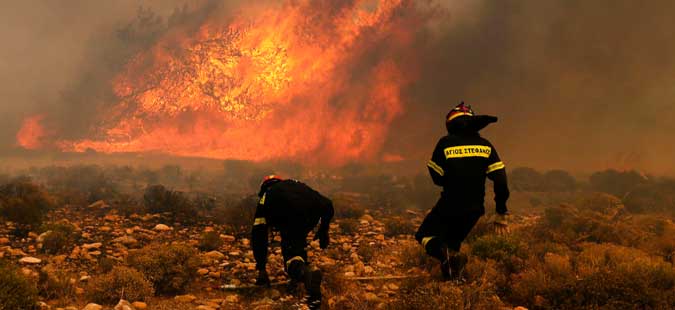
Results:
617 183
84 184
120 283
658 197
127 205
60 238
347 209
499 248
238 214
559 181
158 199
210 241
597 220
413 255
601 276
398 226
429 295
170 268
16 293
24 203
483 227
106 264
526 179
55 284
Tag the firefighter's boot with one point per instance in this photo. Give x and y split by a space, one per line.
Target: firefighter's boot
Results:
313 287
298 271
457 262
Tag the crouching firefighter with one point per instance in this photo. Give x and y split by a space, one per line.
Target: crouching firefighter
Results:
460 163
293 209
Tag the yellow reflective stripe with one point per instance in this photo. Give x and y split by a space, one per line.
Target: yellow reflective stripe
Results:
262 200
496 166
458 115
294 258
259 221
431 164
467 151
426 240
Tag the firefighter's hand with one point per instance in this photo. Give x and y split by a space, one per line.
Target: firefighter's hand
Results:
324 239
262 279
501 224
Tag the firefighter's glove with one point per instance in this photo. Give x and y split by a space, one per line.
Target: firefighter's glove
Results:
263 279
323 237
501 224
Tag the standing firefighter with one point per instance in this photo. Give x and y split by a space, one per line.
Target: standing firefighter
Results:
293 209
460 163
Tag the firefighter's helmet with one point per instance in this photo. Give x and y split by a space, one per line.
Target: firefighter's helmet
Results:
463 119
460 110
268 181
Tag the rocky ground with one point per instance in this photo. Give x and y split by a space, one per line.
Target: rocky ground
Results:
363 267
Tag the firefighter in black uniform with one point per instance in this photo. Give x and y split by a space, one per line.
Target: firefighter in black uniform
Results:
293 209
460 163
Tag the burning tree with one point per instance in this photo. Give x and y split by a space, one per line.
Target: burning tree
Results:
269 82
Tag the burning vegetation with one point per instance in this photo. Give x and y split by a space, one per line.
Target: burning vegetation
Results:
269 82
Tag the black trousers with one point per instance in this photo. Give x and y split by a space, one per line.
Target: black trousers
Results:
293 249
447 226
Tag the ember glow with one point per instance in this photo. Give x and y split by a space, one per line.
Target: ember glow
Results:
285 82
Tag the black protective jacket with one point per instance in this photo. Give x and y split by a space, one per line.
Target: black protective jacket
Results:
460 163
293 209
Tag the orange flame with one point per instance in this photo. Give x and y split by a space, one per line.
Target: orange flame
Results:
290 82
32 133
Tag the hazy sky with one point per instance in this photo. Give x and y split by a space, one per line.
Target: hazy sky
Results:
577 84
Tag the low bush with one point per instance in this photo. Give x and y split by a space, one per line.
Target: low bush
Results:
170 268
158 199
398 226
24 203
499 248
508 251
526 179
210 241
59 238
657 197
600 276
617 183
413 255
16 292
56 285
238 214
559 181
570 225
120 283
126 205
429 295
347 208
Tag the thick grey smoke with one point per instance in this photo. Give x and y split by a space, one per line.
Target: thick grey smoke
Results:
581 85
58 57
